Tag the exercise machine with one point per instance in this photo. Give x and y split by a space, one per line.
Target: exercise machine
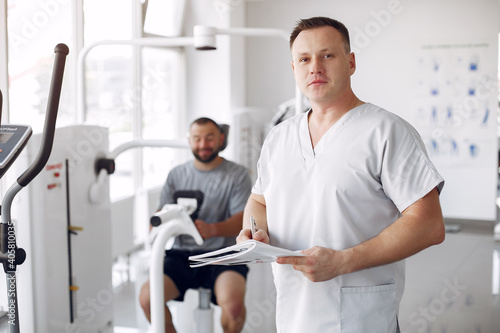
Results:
69 279
174 220
13 138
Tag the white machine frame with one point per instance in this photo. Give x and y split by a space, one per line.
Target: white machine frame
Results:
175 221
178 223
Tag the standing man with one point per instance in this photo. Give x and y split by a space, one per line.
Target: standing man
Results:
226 187
350 185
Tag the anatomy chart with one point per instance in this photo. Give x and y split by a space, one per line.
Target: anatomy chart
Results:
455 112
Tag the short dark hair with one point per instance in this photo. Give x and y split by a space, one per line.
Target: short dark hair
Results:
317 22
203 121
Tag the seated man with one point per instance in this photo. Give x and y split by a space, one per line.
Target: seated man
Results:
226 187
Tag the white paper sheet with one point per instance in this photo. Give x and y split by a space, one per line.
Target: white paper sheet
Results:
249 252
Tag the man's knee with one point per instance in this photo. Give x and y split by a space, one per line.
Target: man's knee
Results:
170 292
233 316
144 297
234 309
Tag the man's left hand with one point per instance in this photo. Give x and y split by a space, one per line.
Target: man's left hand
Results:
318 264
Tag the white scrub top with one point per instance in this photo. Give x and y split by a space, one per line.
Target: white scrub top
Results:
366 169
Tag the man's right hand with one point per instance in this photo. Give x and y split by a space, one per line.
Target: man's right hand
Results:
246 234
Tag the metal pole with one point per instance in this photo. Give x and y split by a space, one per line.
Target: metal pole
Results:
157 297
150 41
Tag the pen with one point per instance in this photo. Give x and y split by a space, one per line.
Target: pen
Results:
253 225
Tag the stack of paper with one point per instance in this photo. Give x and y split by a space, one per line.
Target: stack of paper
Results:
249 252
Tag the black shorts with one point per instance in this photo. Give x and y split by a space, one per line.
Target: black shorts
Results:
176 266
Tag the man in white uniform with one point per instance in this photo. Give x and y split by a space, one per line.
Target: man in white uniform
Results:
351 186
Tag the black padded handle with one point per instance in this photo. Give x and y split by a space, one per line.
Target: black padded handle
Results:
61 51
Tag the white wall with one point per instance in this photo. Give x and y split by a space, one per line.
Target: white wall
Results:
456 296
389 38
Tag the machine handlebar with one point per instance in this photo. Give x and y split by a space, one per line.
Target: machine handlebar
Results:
61 51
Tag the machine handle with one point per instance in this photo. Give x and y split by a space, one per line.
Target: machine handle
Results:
107 164
61 51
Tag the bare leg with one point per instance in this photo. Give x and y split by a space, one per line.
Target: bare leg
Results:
171 292
230 294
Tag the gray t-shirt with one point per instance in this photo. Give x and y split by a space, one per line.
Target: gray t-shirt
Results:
226 190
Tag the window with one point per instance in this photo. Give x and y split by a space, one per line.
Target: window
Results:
131 91
160 110
110 73
34 29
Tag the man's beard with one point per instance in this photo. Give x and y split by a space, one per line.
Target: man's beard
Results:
208 159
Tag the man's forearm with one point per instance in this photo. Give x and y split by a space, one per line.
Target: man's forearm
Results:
255 208
420 226
229 227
